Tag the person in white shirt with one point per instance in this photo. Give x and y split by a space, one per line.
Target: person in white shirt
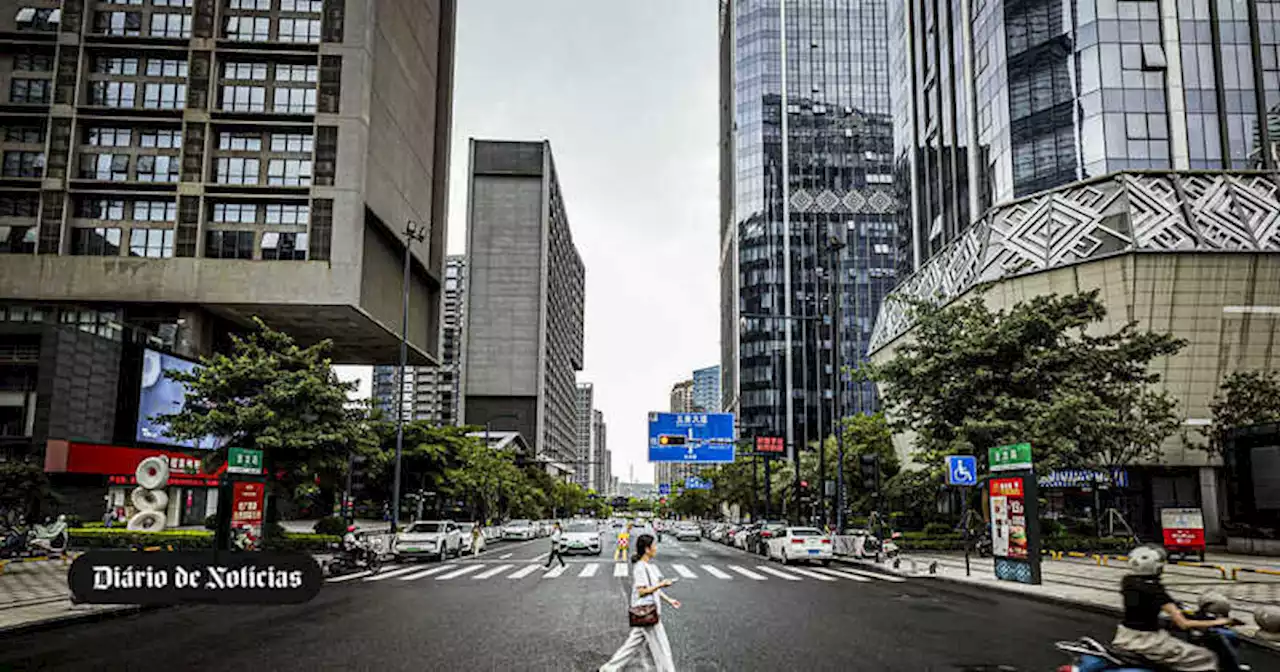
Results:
556 535
646 645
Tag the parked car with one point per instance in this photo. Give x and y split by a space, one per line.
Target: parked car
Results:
800 544
519 529
429 539
758 541
466 528
688 532
580 537
741 537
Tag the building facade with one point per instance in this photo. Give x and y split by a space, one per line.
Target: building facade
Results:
584 426
600 458
525 284
1020 128
432 393
806 159
706 390
173 170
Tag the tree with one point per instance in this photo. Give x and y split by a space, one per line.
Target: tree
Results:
1245 398
970 378
272 395
23 487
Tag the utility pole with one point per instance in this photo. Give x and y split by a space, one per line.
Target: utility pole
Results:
412 232
836 246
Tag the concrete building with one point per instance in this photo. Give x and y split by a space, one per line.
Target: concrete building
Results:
600 459
806 158
524 293
584 425
1019 138
706 390
432 393
172 170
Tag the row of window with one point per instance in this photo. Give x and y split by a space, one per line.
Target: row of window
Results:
278 142
115 167
142 210
276 245
307 6
245 170
123 137
159 243
258 29
129 24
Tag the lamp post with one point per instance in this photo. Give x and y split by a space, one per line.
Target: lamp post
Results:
412 232
836 245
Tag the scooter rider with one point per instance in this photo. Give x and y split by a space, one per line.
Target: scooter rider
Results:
1144 600
351 544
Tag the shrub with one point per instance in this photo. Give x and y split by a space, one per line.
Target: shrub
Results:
1052 528
936 529
186 540
331 525
211 522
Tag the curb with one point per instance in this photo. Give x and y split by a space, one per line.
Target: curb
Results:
64 620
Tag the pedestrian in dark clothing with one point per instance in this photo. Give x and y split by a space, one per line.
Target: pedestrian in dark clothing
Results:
556 535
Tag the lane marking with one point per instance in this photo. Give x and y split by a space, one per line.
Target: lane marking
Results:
539 558
488 574
458 572
505 556
348 577
778 573
395 572
684 571
747 573
874 575
588 570
426 572
716 573
812 575
619 570
524 572
555 572
842 575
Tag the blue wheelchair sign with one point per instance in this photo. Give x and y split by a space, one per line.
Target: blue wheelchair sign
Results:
664 488
962 470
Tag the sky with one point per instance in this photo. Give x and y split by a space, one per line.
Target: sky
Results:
626 92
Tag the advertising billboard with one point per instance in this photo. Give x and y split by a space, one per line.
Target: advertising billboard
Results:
160 396
691 437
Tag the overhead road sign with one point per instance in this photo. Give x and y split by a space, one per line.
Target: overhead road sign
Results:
691 437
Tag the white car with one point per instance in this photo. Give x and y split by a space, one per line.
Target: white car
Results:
800 544
580 538
519 529
688 531
466 538
429 539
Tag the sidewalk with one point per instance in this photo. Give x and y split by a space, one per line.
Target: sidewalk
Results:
35 594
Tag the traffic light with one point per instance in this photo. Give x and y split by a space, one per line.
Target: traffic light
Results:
870 467
804 484
671 440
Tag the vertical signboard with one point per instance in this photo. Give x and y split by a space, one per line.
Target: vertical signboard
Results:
247 507
1015 537
1008 519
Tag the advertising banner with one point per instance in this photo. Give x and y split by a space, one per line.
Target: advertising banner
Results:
1008 519
1183 529
161 396
248 500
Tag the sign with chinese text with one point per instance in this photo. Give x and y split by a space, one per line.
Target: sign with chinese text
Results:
1008 519
248 506
771 444
244 461
1183 529
1009 458
691 437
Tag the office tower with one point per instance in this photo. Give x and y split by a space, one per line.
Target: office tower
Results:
806 158
525 286
599 453
706 390
584 425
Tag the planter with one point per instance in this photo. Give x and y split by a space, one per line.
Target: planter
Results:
1251 546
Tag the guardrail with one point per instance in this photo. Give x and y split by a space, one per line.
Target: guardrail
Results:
1235 571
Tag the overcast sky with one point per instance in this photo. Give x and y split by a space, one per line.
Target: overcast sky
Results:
626 92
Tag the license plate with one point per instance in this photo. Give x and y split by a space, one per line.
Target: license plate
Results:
814 551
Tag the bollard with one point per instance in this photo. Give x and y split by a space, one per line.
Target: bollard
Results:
1268 619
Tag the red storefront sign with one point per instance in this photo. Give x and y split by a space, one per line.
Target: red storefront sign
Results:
770 444
119 463
248 500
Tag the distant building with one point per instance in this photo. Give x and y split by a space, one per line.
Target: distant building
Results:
682 397
585 426
600 460
706 390
637 490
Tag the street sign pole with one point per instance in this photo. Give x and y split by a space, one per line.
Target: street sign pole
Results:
964 518
962 472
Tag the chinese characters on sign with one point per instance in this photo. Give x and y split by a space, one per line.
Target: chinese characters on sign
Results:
244 461
1183 530
1009 458
691 419
247 507
770 444
1008 519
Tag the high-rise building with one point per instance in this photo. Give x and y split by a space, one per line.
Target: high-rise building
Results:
1021 130
431 393
173 170
806 158
600 460
525 285
706 390
584 423
682 401
682 397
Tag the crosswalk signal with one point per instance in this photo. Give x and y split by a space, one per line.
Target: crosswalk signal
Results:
870 467
671 440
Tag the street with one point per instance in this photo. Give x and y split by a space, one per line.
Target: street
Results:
504 612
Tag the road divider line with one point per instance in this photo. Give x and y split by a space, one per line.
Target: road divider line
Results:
619 569
843 575
426 572
778 573
555 573
458 572
684 571
874 575
747 573
588 569
716 573
348 577
395 572
524 572
505 556
812 575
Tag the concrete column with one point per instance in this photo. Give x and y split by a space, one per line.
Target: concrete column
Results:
1210 504
195 333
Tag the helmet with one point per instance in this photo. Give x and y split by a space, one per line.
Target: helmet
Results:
1147 560
351 528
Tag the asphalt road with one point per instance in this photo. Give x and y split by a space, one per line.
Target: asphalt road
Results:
495 613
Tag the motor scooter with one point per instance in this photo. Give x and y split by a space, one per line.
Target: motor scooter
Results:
354 559
1090 655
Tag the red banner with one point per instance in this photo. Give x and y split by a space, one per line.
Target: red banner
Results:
248 506
120 462
1006 487
770 444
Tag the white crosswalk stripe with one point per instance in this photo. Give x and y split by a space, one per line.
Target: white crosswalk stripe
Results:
348 577
555 572
619 569
524 572
458 572
493 572
874 575
388 574
812 575
747 573
588 569
778 573
504 556
843 575
716 573
684 571
540 558
426 572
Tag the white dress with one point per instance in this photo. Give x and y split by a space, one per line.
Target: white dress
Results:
648 646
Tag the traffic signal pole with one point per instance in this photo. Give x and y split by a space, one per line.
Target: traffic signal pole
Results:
837 404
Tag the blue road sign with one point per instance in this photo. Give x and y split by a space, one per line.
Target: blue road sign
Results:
962 470
691 437
664 488
696 483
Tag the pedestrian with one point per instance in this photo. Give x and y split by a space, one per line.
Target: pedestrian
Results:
646 644
624 542
556 534
476 535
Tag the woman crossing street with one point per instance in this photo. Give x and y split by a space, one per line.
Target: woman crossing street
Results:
647 643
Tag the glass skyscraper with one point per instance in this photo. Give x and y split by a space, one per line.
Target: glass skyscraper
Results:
829 116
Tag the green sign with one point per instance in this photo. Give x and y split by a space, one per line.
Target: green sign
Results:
244 461
1009 458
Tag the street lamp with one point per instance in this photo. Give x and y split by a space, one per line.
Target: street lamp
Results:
835 246
412 232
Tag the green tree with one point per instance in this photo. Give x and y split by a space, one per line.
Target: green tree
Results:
1244 398
271 394
23 488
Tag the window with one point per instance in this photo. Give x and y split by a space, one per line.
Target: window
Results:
96 242
119 23
24 205
248 28
279 213
228 244
156 168
166 67
244 98
297 73
28 90
100 208
292 142
281 246
171 25
111 167
110 137
237 170
289 172
112 94
245 71
172 3
161 139
1153 57
299 30
23 164
155 211
165 96
28 135
155 243
881 248
38 18
235 213
17 239
115 66
295 101
240 142
261 5
313 6
33 62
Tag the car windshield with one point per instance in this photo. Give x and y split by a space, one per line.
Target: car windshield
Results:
580 527
466 527
425 528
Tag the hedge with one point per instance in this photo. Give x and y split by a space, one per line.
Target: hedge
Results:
185 540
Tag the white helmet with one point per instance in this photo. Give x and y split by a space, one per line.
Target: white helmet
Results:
1147 560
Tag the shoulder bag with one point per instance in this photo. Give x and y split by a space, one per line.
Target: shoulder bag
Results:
644 615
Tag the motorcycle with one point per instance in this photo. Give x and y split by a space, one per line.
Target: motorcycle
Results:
356 559
1090 655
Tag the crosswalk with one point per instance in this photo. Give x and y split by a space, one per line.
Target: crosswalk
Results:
751 572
